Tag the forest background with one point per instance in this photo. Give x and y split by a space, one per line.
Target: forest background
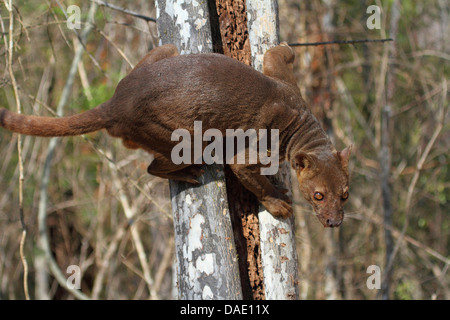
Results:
390 100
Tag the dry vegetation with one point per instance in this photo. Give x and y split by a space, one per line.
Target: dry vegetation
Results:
105 214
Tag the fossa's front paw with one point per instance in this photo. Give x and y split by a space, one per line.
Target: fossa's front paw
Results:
278 207
281 193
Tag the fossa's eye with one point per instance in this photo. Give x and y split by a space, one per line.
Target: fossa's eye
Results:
345 196
318 196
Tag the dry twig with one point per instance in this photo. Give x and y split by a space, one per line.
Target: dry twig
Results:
126 11
10 50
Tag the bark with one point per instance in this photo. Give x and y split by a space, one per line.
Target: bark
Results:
190 31
278 250
206 256
207 264
244 207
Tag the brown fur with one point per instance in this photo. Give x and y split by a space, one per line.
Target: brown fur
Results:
166 91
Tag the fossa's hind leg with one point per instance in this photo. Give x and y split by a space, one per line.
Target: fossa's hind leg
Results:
278 63
165 168
156 54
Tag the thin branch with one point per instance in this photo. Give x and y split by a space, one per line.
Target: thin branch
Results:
9 7
165 264
117 48
42 212
25 264
126 11
103 264
305 44
113 164
130 212
377 220
413 183
84 79
348 99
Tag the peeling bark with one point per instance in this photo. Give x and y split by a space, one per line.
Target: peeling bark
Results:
206 255
185 24
278 250
263 28
207 263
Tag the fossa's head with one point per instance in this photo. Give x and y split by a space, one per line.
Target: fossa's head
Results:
324 182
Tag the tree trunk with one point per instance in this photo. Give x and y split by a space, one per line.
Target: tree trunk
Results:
244 206
201 221
207 264
278 250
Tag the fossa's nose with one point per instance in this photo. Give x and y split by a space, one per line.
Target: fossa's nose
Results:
332 222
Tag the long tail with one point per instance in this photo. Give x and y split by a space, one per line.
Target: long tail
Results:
89 121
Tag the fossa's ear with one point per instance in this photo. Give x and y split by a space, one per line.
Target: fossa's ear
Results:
302 160
344 156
